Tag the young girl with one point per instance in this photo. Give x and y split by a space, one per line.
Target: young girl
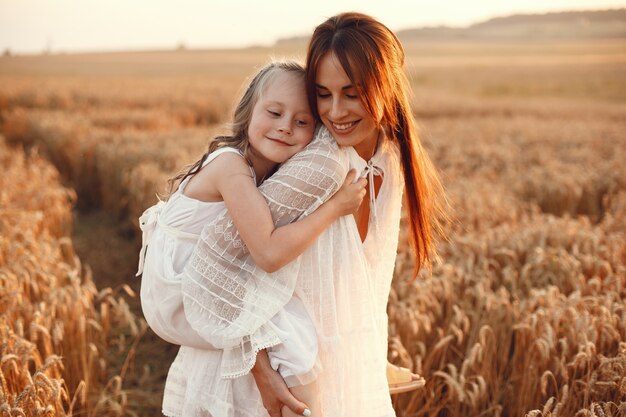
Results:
272 122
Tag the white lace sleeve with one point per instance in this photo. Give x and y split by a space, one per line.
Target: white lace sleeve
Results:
228 300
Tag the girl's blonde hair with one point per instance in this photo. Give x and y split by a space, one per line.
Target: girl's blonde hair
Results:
241 117
373 58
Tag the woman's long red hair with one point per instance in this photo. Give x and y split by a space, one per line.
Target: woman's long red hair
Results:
373 58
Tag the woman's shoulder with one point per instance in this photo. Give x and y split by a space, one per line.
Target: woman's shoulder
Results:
391 159
391 150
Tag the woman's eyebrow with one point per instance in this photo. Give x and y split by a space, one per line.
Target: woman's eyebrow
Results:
345 87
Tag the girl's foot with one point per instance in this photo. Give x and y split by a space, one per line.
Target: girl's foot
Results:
402 379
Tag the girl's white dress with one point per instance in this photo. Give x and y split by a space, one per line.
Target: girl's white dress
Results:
170 232
343 283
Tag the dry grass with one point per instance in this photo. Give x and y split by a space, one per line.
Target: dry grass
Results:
56 327
524 313
117 169
526 309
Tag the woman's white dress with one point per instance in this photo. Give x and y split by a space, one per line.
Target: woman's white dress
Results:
343 283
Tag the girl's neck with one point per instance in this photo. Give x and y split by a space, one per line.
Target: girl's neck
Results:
262 167
367 147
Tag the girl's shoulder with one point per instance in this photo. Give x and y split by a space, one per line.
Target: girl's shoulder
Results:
223 162
226 161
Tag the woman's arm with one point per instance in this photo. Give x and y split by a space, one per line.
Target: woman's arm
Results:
274 391
270 246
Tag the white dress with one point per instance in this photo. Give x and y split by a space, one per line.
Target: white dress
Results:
343 283
170 232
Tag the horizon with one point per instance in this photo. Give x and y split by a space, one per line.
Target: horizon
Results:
160 28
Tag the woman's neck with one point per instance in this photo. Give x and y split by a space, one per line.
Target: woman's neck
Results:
367 147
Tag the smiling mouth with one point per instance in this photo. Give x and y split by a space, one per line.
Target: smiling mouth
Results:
343 126
280 141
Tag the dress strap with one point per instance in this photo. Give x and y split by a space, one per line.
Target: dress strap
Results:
214 155
220 151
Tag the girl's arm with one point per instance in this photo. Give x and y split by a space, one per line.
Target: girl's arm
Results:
227 299
270 246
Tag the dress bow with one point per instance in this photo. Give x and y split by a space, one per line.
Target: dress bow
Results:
370 170
147 223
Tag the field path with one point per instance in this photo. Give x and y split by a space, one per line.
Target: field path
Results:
100 243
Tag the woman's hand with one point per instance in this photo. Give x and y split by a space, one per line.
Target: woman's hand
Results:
273 389
348 198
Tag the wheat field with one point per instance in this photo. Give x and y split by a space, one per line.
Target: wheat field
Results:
523 314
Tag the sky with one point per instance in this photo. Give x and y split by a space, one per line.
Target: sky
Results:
32 26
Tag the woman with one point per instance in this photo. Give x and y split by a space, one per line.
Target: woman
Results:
358 88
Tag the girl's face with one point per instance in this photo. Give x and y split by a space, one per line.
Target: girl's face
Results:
282 123
341 110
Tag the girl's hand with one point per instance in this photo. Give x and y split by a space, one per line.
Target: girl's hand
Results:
349 197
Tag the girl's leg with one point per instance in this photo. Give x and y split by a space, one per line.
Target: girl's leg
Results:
308 394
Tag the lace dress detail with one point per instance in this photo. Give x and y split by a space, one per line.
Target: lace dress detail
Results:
343 283
229 300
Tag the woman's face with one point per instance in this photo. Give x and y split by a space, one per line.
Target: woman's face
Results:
341 110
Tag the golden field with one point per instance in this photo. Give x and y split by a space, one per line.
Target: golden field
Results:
523 314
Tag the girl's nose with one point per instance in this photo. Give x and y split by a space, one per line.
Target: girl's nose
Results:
285 128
